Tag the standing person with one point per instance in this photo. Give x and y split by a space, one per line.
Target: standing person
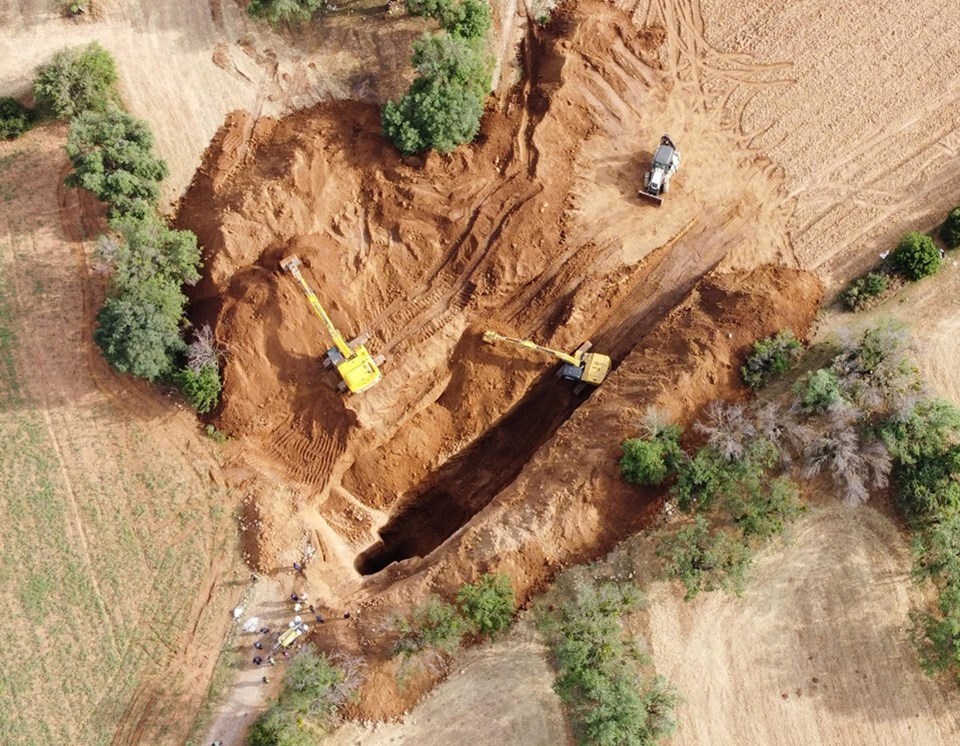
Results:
257 659
264 680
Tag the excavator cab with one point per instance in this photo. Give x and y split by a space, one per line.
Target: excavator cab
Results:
581 366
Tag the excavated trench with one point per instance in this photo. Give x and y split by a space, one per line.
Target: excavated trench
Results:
449 497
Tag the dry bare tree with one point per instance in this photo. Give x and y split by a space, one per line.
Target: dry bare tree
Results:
728 428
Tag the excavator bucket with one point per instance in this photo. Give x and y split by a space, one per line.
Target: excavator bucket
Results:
289 262
490 337
653 199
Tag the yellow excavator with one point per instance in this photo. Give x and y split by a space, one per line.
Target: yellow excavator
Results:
358 369
580 366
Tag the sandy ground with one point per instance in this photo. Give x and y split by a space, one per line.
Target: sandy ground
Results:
120 554
184 64
816 650
499 693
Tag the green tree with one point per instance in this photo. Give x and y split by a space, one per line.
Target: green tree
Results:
703 560
916 256
863 289
148 248
765 508
469 19
443 106
286 11
139 331
648 461
950 230
771 357
15 119
488 604
76 80
200 387
818 391
112 156
432 624
279 726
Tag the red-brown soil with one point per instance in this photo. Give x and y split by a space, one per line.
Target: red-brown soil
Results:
536 230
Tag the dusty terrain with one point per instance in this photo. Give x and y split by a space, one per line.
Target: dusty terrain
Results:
799 149
816 650
119 555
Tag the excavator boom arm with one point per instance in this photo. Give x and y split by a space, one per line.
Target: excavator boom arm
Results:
490 336
338 340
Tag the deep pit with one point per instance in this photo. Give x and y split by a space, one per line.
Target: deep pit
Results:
449 497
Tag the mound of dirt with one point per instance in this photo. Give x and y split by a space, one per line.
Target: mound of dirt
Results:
466 456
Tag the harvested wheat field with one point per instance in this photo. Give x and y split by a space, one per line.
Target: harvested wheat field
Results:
812 137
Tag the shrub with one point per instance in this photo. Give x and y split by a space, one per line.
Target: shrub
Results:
876 374
76 80
201 388
765 510
950 230
862 290
771 357
286 11
148 248
313 689
468 19
598 674
649 461
916 256
433 624
818 391
703 560
15 119
112 156
488 604
139 331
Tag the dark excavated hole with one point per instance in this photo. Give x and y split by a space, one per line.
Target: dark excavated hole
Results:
465 484
458 490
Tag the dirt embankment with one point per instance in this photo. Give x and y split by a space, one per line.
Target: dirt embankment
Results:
535 230
569 503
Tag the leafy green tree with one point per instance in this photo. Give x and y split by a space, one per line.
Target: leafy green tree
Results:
916 256
597 663
648 461
765 508
112 156
818 391
863 289
286 11
488 604
469 19
279 726
950 230
771 357
703 560
432 624
443 106
15 119
139 331
201 388
149 248
76 80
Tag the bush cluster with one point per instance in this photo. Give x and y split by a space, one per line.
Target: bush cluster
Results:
864 289
950 229
916 256
112 156
443 106
598 666
15 119
313 688
76 80
485 607
648 461
770 358
286 11
139 327
704 559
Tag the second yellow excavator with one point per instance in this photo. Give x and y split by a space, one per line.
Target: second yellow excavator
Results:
580 366
358 369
